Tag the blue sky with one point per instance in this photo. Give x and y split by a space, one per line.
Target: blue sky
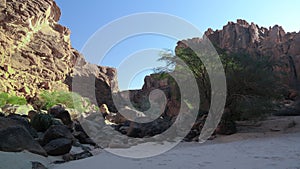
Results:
84 18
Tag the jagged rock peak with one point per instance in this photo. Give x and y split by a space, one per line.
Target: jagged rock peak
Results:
242 37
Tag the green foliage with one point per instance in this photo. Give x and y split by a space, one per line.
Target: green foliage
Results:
248 108
6 98
69 99
3 99
252 84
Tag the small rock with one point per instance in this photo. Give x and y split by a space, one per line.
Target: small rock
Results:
118 145
79 156
38 165
56 110
61 113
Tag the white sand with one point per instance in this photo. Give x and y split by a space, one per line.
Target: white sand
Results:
282 152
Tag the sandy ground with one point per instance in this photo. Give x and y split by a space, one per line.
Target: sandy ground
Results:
270 144
272 127
277 152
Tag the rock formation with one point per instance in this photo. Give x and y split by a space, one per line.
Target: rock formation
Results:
242 37
236 38
36 52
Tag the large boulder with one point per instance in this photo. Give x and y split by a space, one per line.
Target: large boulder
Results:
17 138
95 82
81 135
41 122
14 120
149 129
58 140
56 132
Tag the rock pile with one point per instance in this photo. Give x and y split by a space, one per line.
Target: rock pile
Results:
22 132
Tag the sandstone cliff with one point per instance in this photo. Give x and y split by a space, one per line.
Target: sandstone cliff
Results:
242 37
36 52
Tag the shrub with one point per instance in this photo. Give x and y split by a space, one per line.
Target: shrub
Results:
252 84
6 98
69 99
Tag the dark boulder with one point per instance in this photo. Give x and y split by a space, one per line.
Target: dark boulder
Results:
17 139
153 128
81 135
226 127
57 131
55 110
61 113
42 122
58 147
23 121
193 135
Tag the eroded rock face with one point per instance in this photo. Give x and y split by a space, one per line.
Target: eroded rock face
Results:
242 37
36 53
35 50
97 83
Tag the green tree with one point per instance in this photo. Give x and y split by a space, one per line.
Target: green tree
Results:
252 84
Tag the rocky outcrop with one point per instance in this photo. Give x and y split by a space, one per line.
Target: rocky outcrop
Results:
36 53
97 83
35 50
242 37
